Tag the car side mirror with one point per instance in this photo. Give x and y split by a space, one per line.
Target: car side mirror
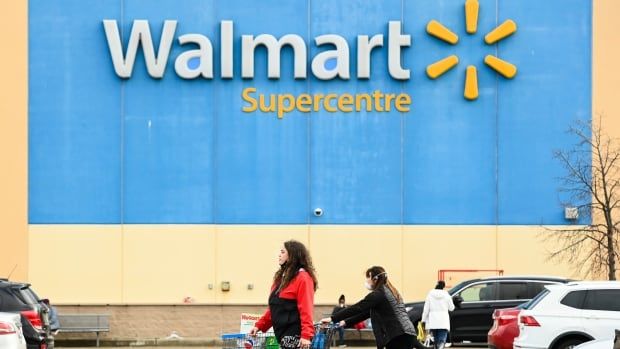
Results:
457 300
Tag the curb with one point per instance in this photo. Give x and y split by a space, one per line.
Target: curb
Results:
163 342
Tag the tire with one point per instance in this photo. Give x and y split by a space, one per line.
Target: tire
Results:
569 343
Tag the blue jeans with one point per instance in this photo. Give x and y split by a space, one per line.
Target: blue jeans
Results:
440 335
340 335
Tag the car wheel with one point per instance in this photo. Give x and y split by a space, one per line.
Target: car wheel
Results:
569 343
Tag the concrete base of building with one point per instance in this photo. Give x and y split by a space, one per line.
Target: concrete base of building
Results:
143 342
178 343
193 325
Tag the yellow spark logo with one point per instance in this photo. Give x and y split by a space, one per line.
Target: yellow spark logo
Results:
439 31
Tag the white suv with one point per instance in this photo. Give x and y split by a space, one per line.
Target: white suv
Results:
11 336
563 316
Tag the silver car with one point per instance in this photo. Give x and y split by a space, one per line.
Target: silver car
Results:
11 336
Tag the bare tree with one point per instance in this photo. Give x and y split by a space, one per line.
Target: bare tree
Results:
591 184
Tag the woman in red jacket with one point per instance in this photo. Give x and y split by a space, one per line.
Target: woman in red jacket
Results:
291 302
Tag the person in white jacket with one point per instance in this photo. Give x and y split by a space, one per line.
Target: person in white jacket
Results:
435 315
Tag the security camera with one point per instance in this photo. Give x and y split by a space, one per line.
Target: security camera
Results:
318 212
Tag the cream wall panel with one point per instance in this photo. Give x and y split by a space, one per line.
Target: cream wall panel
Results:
13 139
343 253
249 255
431 248
163 264
523 250
167 263
76 263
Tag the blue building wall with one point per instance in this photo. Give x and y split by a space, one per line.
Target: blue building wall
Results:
107 150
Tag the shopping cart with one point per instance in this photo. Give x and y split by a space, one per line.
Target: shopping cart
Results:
323 335
247 341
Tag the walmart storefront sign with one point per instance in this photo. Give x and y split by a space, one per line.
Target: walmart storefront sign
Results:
280 103
156 65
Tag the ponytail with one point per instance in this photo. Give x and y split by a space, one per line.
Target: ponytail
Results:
380 277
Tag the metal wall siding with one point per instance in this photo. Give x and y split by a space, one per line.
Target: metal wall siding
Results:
142 150
74 126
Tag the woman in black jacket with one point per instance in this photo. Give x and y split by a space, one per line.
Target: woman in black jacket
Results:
386 310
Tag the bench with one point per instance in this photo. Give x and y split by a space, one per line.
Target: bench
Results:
363 334
84 323
355 335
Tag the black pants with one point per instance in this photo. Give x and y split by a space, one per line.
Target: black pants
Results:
404 341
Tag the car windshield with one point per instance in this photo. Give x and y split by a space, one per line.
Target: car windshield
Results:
27 296
532 303
33 294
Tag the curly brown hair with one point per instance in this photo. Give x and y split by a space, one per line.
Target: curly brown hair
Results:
298 257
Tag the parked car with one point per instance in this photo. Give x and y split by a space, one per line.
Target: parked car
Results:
11 335
564 316
597 344
54 323
476 300
19 298
505 327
